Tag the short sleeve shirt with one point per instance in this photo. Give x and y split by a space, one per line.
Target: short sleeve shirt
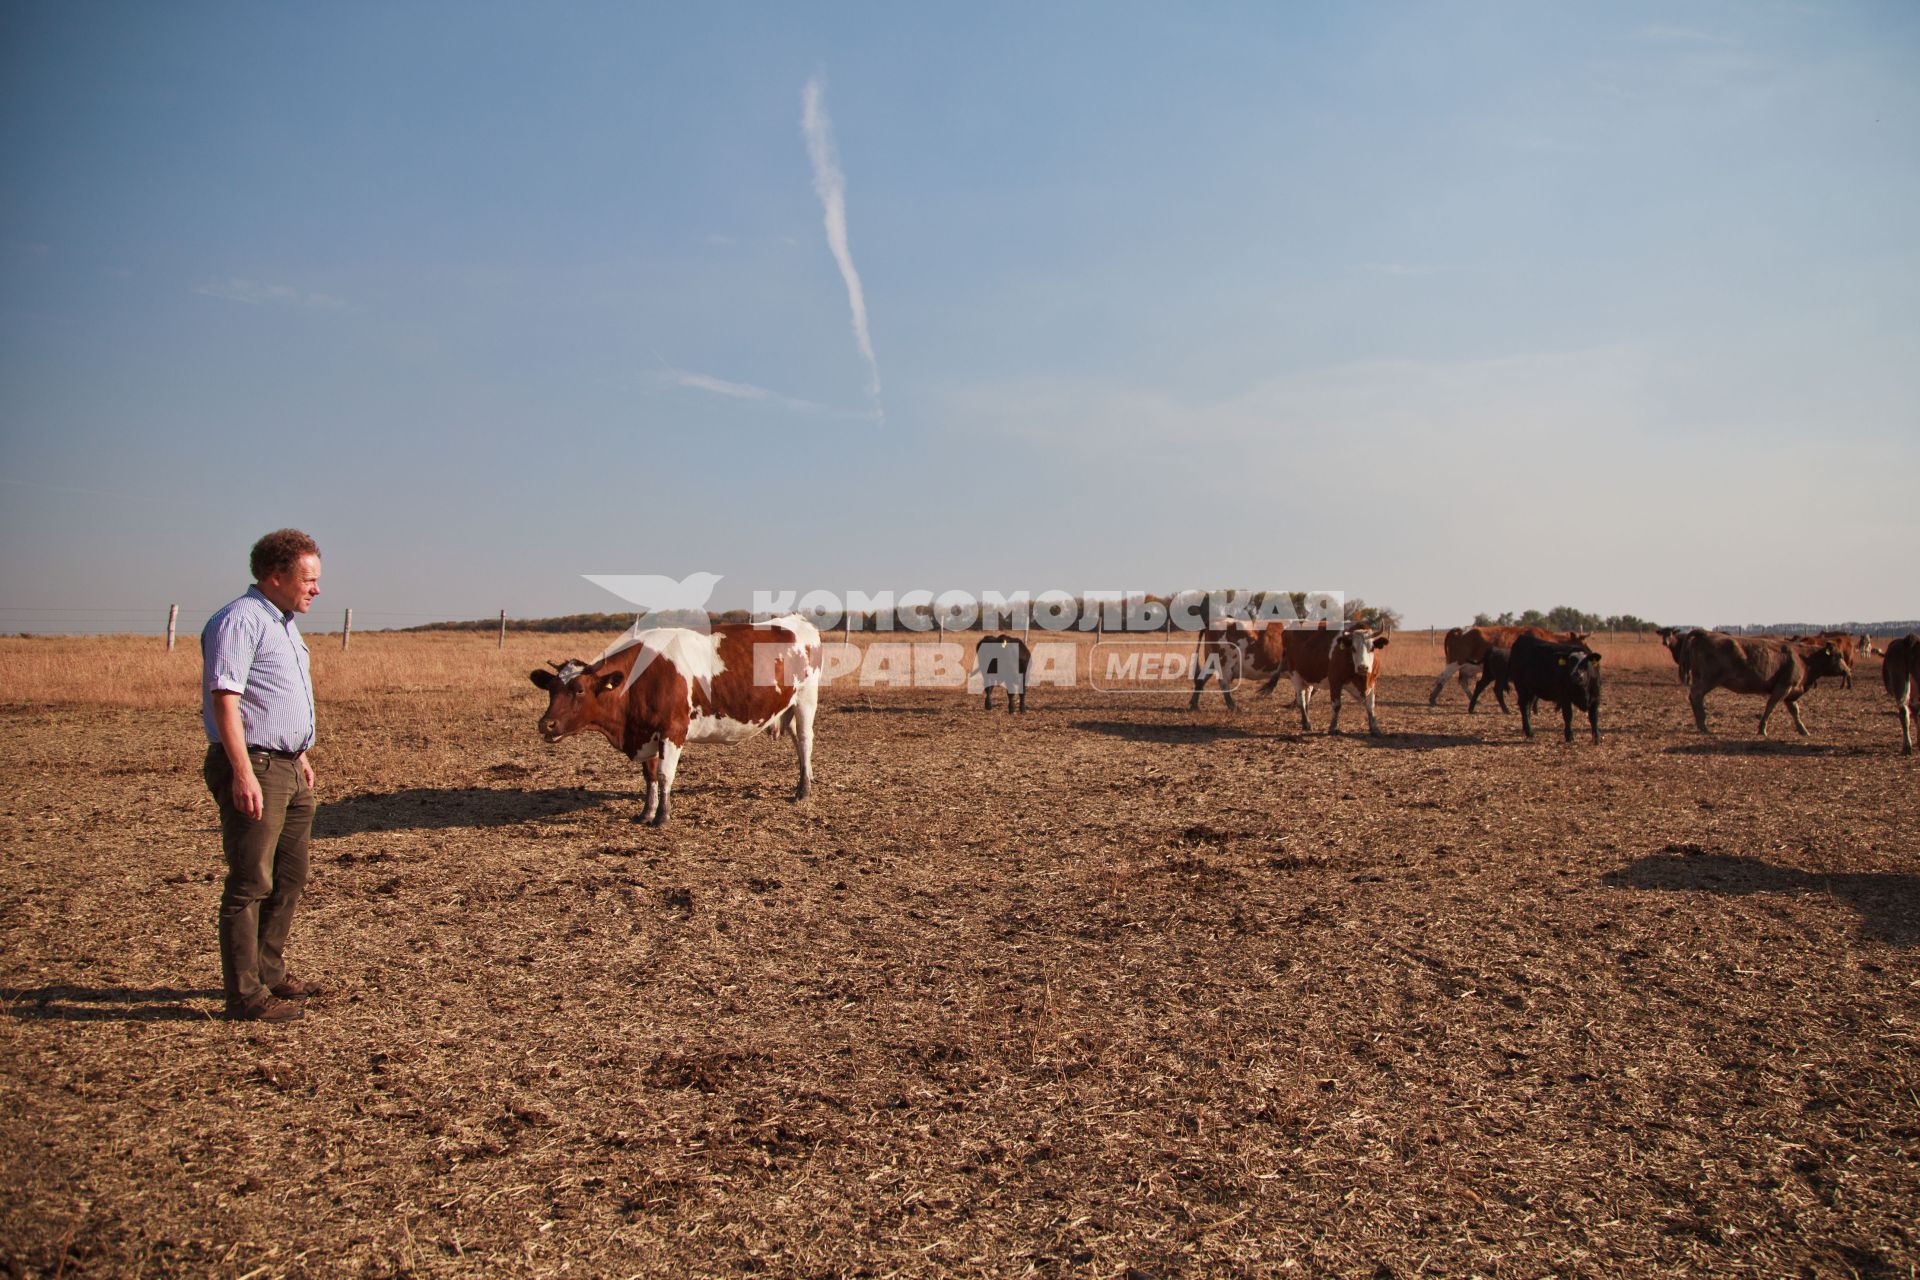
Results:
252 648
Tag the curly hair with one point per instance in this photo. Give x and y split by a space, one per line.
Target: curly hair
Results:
278 550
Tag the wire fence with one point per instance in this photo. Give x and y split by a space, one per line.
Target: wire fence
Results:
152 620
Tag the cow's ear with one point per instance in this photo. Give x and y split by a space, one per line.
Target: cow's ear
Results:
1593 658
611 681
545 679
1380 643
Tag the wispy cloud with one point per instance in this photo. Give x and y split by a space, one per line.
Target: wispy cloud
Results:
691 380
255 294
830 184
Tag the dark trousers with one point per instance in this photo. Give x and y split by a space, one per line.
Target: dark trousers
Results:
266 870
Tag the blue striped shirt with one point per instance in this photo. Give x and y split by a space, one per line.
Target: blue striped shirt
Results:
253 649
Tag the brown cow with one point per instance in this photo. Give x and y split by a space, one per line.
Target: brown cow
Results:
1780 669
1466 652
653 691
1845 641
1677 639
1232 649
1900 673
1340 658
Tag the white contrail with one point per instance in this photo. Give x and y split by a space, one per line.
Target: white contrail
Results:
830 184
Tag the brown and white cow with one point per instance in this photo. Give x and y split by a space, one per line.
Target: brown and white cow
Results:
653 691
1900 673
1466 651
1232 650
1340 658
1780 669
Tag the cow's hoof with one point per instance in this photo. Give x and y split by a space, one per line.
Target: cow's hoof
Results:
657 820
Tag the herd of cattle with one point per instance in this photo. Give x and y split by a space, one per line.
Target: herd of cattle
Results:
654 690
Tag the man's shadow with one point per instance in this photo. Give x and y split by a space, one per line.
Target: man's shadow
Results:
437 808
106 1004
1888 902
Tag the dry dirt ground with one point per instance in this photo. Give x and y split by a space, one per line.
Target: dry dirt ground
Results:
1109 989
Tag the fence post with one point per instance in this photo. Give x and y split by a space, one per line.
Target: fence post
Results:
173 616
503 630
346 629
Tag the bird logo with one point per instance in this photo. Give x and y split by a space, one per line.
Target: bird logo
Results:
662 601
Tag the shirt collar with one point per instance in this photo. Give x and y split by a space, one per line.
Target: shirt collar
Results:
284 615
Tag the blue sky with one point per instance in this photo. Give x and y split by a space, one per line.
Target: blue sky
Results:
1455 307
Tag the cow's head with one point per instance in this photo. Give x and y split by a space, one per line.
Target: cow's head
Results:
1583 674
1362 643
576 693
1828 660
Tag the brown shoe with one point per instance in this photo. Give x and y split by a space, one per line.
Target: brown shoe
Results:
266 1010
292 988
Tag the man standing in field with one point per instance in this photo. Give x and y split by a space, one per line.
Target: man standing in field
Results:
256 696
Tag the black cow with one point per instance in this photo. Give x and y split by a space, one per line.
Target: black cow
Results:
1567 675
1493 671
1002 660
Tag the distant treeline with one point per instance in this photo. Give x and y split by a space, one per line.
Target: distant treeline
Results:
1567 618
1564 617
1137 612
1877 629
1559 618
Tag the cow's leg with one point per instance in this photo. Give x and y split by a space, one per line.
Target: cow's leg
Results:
1446 673
1697 697
1526 701
1766 713
1334 690
1373 721
1302 691
1200 673
989 692
650 769
1593 718
1906 696
1479 687
669 762
1793 709
805 703
1023 695
1273 681
1566 714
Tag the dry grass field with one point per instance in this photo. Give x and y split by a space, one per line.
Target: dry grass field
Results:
1110 989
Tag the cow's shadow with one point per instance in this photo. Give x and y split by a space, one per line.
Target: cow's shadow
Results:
1401 740
436 808
855 709
1888 902
63 1003
1763 747
1141 731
